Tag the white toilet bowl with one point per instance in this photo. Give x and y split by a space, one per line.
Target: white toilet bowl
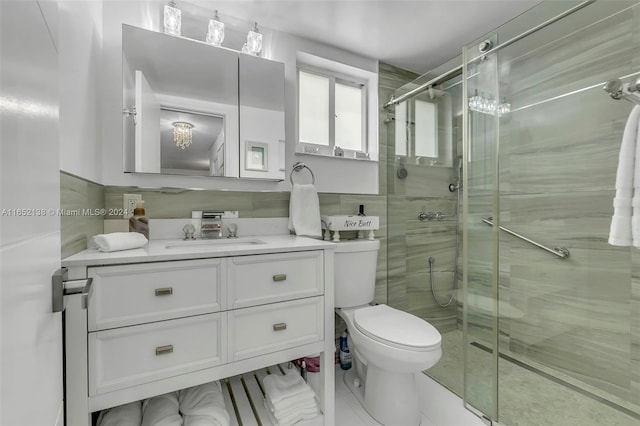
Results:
390 347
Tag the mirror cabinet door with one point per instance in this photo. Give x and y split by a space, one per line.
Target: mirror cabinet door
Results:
182 98
262 134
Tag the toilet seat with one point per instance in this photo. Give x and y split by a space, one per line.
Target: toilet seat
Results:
396 328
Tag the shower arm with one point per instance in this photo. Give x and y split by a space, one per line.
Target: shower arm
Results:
561 252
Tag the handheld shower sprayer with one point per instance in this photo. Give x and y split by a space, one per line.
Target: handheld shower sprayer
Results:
453 187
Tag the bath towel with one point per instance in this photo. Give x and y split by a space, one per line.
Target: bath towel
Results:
625 223
117 241
203 405
304 211
123 415
161 410
277 387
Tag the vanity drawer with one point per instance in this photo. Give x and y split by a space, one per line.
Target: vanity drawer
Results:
255 280
130 356
136 294
274 327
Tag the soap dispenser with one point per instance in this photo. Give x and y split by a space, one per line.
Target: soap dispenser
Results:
139 222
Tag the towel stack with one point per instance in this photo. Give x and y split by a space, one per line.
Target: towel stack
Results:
123 415
289 399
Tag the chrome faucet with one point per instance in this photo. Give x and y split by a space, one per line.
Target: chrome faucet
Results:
211 225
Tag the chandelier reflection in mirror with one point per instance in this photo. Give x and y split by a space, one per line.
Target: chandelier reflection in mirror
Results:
182 133
215 35
172 19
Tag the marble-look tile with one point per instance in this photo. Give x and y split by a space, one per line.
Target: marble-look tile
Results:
77 194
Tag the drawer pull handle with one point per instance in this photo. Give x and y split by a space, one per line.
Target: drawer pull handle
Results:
279 326
163 350
279 277
167 291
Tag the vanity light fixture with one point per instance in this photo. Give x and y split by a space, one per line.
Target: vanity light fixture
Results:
182 133
172 19
215 35
254 40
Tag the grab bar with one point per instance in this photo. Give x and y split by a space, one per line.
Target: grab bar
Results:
561 252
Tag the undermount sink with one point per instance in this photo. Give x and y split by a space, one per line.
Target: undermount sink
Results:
228 242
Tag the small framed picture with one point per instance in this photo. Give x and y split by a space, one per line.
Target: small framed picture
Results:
256 154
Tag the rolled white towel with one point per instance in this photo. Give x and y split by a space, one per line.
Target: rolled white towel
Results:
201 421
123 415
116 241
161 410
277 388
204 400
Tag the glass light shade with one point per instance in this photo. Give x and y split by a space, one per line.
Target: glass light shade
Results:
182 134
172 19
215 35
254 40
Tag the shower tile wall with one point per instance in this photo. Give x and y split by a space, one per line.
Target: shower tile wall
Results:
558 166
412 242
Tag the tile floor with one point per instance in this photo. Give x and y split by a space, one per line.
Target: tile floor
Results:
440 406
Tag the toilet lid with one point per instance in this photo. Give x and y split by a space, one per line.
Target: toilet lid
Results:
397 328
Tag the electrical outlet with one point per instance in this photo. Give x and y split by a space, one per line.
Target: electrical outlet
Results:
129 203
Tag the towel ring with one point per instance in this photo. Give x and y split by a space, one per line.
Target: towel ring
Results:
299 166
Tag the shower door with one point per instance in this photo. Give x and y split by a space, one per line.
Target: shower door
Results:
551 331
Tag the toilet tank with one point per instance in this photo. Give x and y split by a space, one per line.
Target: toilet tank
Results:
355 264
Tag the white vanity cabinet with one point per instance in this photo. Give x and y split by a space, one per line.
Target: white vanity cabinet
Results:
163 321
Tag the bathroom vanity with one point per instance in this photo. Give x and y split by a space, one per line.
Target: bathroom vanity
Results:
176 314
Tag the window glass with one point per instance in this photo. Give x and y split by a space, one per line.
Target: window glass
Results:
313 103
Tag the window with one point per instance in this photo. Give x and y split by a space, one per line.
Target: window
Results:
331 114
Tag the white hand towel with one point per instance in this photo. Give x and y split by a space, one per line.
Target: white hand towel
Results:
277 387
302 399
622 231
290 420
161 410
116 241
123 415
204 401
304 211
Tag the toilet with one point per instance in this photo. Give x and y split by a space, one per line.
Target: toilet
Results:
389 347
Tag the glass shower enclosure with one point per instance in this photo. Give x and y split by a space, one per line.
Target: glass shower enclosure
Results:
544 327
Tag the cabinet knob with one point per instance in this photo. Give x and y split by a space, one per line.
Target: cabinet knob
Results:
166 291
279 326
279 277
164 350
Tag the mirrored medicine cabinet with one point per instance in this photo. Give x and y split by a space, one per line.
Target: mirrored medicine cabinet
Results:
190 108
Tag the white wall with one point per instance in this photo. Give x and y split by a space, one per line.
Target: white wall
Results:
79 49
342 176
30 333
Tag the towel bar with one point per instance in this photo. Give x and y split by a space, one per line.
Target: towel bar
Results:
299 166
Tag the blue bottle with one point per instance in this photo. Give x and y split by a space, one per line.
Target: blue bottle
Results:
345 354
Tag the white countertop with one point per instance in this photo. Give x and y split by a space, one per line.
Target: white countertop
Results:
163 250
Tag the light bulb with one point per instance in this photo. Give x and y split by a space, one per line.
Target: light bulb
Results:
172 19
215 35
254 40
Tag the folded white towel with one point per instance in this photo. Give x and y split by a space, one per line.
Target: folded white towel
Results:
623 231
304 211
303 399
309 406
290 420
116 241
123 415
161 410
204 401
277 387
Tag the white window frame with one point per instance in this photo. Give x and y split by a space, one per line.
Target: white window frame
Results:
333 77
